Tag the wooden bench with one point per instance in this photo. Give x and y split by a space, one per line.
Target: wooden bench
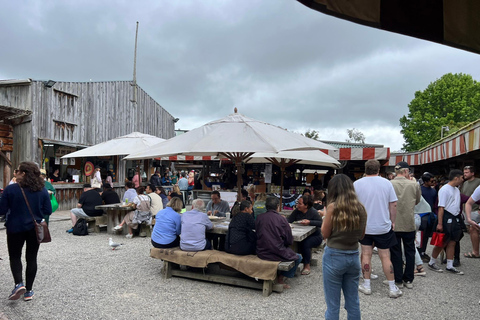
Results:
174 269
95 223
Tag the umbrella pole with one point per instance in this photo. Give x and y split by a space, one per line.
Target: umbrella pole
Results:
238 163
282 170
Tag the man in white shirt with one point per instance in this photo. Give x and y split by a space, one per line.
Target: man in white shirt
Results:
380 201
448 221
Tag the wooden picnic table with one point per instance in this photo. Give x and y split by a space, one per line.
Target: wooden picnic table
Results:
299 232
115 214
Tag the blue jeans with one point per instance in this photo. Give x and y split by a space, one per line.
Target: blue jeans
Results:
341 271
291 273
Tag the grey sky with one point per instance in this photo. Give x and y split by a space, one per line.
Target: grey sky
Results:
275 60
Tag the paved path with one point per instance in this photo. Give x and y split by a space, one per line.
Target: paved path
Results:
82 278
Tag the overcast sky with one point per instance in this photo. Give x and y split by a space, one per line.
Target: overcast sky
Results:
275 60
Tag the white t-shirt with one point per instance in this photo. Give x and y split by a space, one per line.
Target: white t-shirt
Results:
376 194
476 194
449 198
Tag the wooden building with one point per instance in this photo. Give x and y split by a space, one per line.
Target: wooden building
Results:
65 116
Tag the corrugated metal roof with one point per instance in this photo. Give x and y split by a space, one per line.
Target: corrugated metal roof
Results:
341 144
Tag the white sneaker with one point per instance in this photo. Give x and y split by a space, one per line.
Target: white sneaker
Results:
129 236
119 227
395 293
364 290
398 284
408 284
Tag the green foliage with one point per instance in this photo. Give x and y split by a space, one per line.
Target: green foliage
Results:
355 135
312 134
453 101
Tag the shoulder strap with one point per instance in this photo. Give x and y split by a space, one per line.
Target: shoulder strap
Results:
28 204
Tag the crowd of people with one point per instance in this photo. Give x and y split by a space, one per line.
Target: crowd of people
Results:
383 215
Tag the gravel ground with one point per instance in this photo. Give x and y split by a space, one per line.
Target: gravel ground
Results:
82 278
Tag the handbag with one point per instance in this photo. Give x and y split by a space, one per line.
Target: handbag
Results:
438 239
41 229
54 203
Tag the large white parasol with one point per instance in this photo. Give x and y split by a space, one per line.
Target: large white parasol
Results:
124 145
235 137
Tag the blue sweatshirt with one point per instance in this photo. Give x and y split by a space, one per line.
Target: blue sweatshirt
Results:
13 205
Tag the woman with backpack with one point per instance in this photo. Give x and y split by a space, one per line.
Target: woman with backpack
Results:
28 191
141 204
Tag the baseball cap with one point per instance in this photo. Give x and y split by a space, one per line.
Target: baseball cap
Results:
402 165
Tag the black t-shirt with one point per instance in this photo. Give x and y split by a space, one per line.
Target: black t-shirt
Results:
89 200
110 197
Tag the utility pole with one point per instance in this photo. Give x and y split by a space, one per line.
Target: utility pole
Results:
135 69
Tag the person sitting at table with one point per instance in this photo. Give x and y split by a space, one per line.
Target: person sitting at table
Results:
194 225
236 205
318 205
168 224
161 192
307 216
157 203
108 195
241 238
130 193
274 236
109 178
89 199
176 193
217 206
141 205
259 205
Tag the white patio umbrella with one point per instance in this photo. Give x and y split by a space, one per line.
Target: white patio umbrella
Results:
284 159
124 145
235 137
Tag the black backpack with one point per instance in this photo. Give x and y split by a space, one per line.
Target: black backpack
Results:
80 228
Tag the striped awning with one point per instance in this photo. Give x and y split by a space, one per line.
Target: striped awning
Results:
338 154
465 141
346 154
454 23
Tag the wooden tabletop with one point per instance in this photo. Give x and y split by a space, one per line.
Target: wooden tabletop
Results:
114 206
299 232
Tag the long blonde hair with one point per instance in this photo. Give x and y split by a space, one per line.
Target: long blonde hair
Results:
347 209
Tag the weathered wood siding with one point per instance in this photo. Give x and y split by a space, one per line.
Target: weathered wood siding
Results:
84 113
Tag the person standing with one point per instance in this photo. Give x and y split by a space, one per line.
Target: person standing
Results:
343 226
408 194
430 195
20 226
449 221
380 201
136 179
470 184
97 178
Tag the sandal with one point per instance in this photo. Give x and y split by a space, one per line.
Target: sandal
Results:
420 271
471 255
305 272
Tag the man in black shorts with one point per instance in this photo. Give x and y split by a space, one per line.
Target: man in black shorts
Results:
449 221
378 196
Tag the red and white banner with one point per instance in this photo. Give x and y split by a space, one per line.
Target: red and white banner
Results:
359 153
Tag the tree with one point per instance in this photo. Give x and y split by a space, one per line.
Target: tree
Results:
355 135
312 134
453 101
